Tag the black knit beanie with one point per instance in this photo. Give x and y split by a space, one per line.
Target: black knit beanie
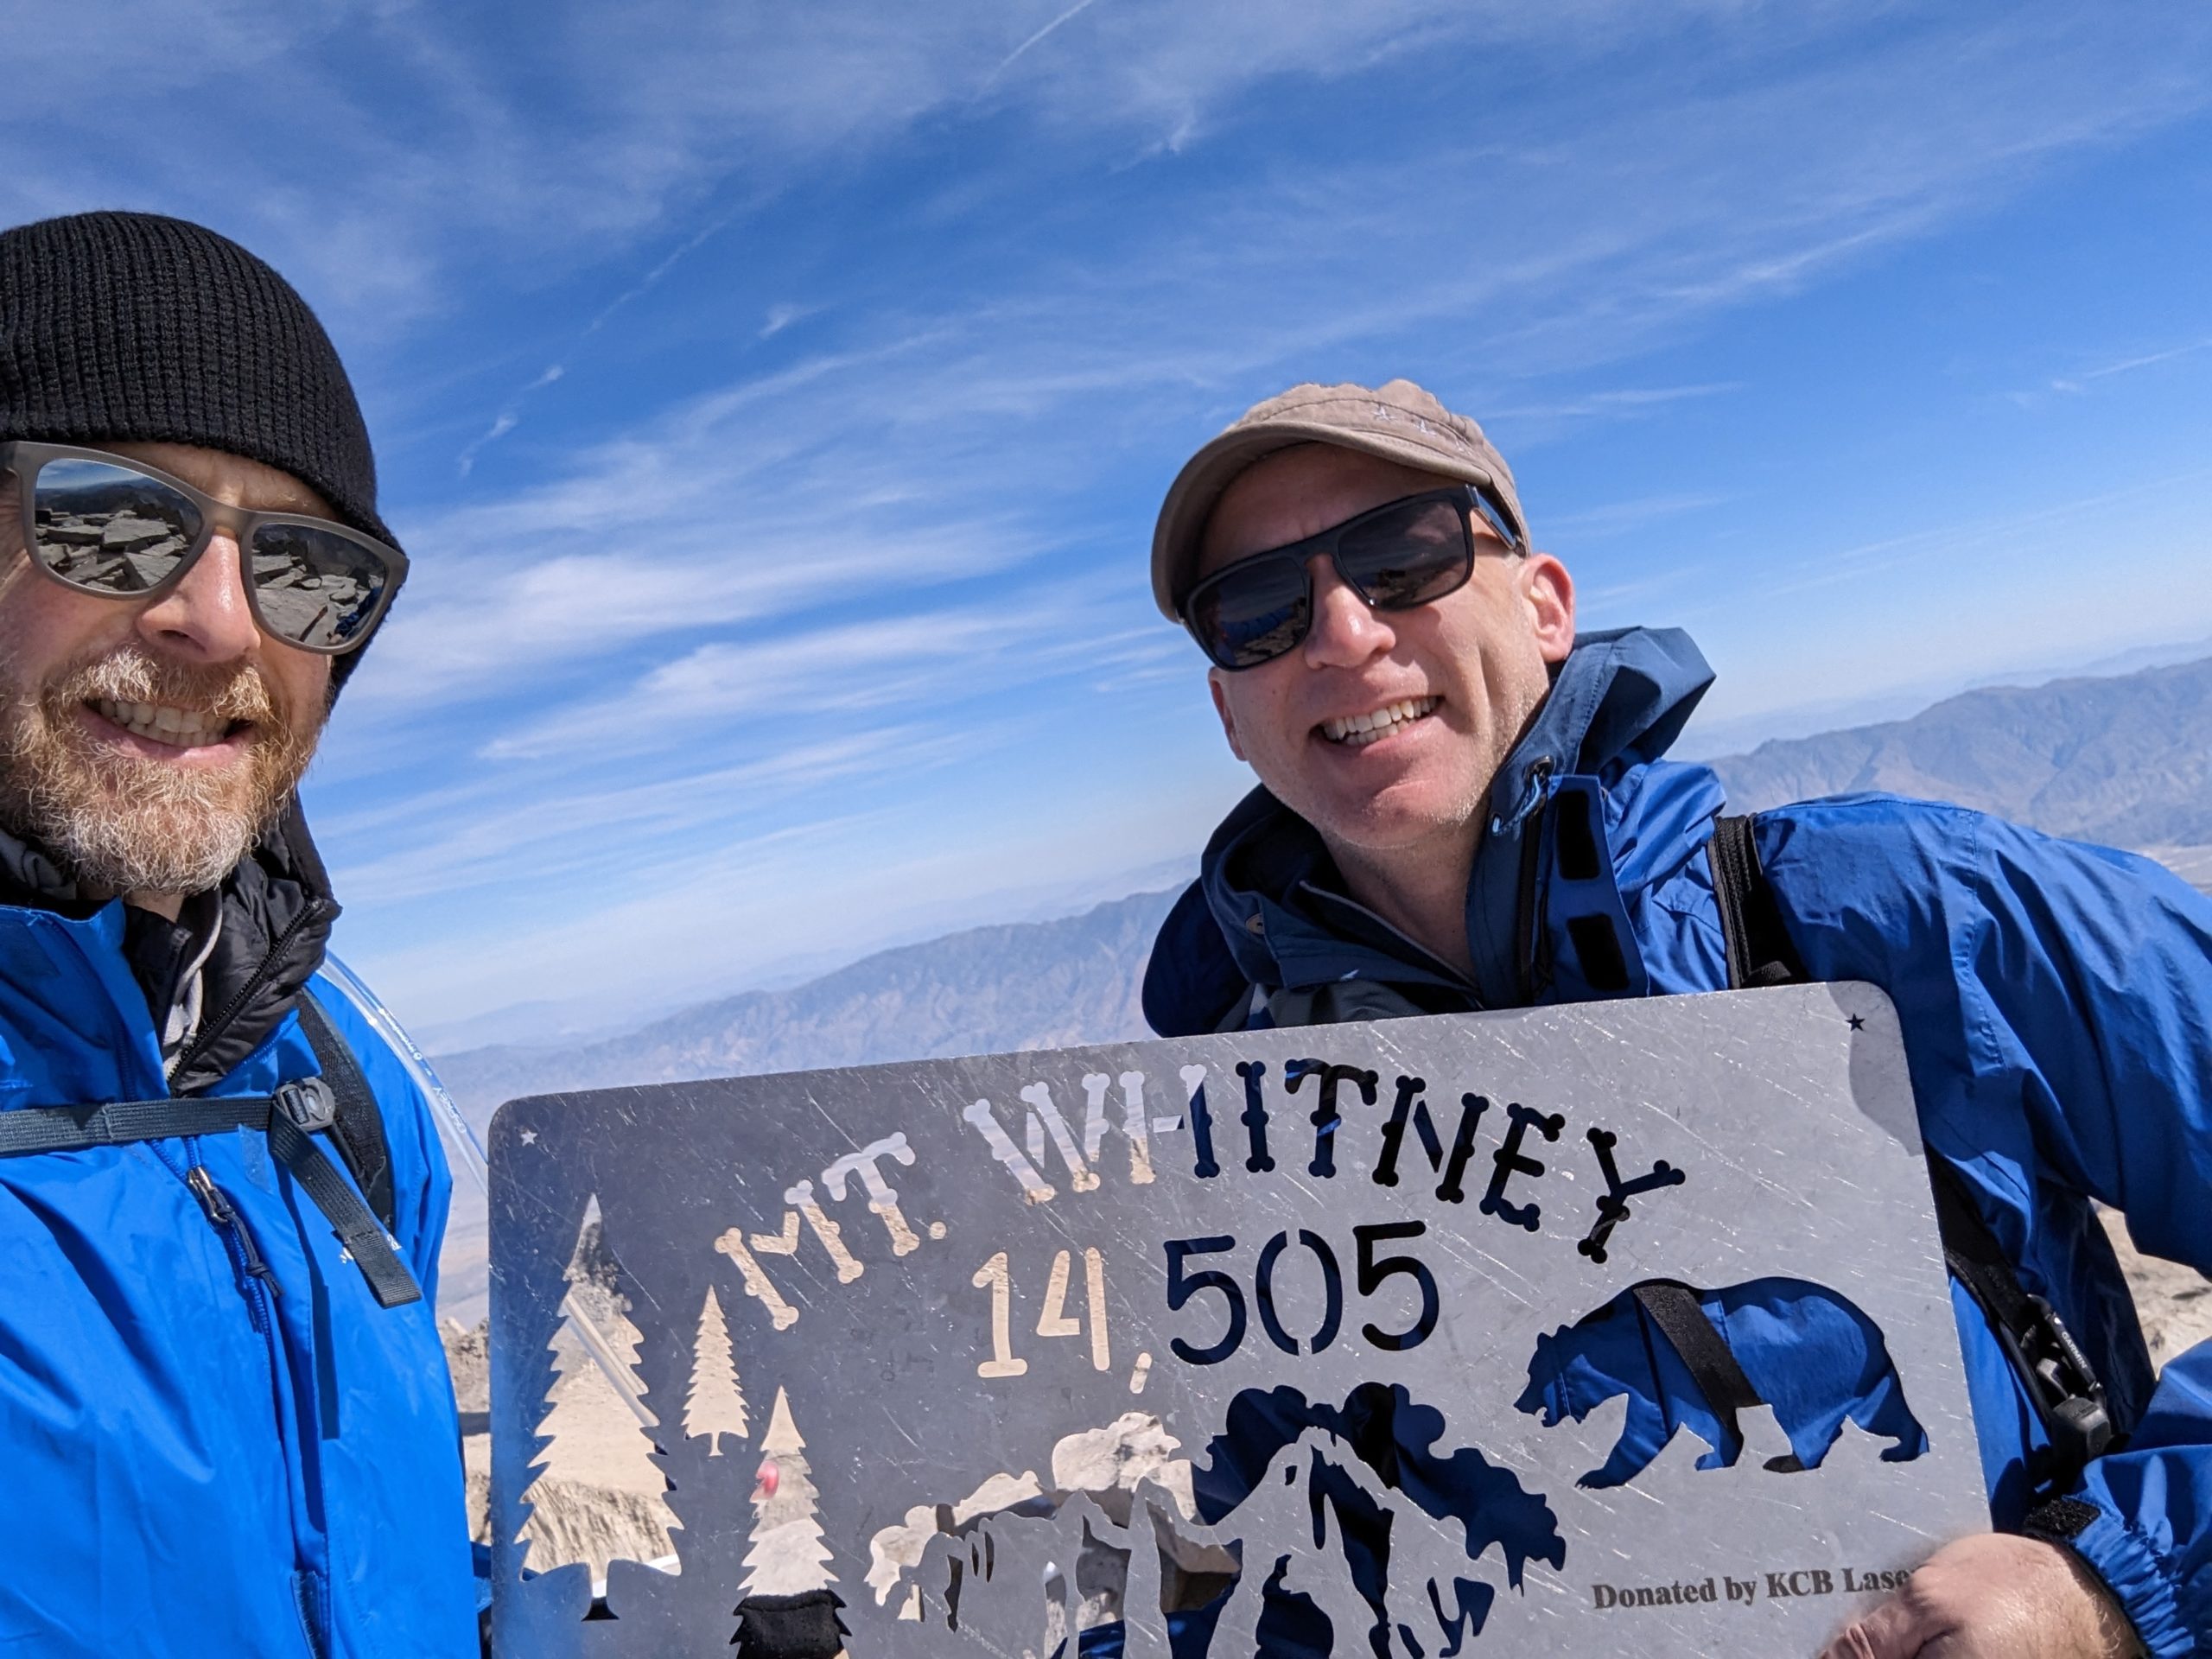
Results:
131 326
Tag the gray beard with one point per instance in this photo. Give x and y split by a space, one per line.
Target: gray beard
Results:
112 839
120 822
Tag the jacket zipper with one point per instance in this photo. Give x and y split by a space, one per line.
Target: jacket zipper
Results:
246 1259
260 977
1532 956
259 1290
256 1280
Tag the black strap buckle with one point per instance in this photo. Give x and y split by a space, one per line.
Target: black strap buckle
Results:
308 1103
2074 1410
2054 1373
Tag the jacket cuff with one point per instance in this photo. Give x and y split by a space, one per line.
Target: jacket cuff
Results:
2140 1582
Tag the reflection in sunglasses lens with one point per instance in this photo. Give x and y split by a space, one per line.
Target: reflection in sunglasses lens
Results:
315 586
107 529
1407 558
1395 558
1254 614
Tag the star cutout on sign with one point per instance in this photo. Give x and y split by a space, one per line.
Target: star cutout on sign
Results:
530 1137
1857 1022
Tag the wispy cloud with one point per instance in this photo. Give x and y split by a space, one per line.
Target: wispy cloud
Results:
481 832
820 573
465 145
781 317
793 616
1611 518
2082 380
836 672
845 881
1042 35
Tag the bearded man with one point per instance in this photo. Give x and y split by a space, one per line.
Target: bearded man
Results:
224 1414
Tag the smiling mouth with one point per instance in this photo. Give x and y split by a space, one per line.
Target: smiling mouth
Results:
180 728
1357 731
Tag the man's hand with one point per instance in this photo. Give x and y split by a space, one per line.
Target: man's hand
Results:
1993 1597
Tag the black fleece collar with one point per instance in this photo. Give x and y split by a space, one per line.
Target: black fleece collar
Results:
276 910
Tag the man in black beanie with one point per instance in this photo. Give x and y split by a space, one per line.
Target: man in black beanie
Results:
223 1406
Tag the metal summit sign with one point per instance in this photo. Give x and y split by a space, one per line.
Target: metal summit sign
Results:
1393 1337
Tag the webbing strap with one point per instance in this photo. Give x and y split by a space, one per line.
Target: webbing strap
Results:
1759 952
362 1236
359 1126
1674 1307
2054 1373
2059 1380
121 1122
1972 1251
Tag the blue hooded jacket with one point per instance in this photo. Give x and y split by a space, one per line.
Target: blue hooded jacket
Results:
2050 994
201 1458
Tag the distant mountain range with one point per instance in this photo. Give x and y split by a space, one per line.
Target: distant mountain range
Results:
2125 760
988 990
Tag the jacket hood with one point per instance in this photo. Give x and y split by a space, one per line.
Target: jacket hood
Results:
1267 907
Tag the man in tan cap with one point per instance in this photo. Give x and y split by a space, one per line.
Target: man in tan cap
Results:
1464 806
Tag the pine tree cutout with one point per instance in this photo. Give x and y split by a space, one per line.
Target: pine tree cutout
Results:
788 1554
598 1458
715 1406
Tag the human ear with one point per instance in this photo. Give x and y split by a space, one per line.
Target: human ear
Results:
1549 592
1216 683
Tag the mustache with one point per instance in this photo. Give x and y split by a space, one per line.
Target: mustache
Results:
235 691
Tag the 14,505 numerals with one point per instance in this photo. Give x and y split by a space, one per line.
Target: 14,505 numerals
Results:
1372 1271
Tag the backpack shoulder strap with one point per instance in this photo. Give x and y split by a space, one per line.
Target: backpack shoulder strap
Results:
1674 1307
359 1128
290 1118
2059 1380
1759 952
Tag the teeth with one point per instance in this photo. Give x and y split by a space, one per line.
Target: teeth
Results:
1357 731
180 728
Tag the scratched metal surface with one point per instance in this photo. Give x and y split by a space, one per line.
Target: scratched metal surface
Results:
1787 1114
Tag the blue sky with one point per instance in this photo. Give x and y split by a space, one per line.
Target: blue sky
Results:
775 399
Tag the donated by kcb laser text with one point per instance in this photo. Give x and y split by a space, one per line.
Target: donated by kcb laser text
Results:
1786 1585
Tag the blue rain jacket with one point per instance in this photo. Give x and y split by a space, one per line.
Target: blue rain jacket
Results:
195 1465
2052 997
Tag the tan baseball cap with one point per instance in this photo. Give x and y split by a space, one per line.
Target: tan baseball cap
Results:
1397 420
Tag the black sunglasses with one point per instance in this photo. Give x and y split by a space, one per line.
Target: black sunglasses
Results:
1396 556
105 525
